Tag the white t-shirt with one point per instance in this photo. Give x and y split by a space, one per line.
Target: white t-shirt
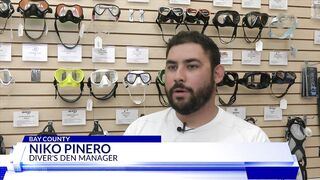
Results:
225 127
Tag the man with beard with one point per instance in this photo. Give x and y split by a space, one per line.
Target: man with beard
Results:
192 71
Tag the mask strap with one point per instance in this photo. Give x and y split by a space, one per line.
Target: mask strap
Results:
58 33
284 93
233 37
65 99
160 95
159 24
138 102
258 37
97 129
105 97
4 27
43 30
233 97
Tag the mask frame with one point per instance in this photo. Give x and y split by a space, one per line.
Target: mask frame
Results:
6 82
282 77
252 20
248 80
109 6
58 81
228 22
6 13
197 16
277 22
75 15
90 83
166 14
38 8
229 79
131 84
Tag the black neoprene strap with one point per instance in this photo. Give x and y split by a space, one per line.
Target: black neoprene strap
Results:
233 37
162 35
318 99
283 94
233 97
65 99
26 31
58 33
105 97
5 25
258 37
160 95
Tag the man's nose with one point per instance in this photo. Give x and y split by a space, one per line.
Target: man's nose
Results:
180 75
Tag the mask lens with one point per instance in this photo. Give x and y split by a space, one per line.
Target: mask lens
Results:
164 11
204 12
224 17
131 78
191 12
112 76
3 6
5 76
145 77
177 11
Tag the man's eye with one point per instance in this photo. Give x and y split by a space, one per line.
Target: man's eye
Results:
171 67
192 66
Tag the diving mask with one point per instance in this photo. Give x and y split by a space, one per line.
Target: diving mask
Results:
69 77
6 77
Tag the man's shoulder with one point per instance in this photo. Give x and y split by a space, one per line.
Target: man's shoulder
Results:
156 116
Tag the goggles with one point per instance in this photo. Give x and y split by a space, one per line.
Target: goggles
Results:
48 130
134 79
255 80
6 77
251 120
103 78
68 78
65 13
226 18
254 20
100 9
160 81
280 22
229 79
6 8
38 8
282 77
166 14
97 129
197 16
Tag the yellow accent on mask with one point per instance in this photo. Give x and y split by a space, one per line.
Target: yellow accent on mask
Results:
69 77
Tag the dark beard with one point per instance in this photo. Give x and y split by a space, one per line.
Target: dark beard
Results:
196 101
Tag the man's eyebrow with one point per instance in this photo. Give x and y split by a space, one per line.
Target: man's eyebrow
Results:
191 60
171 62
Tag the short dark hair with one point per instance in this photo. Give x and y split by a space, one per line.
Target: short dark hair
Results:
204 41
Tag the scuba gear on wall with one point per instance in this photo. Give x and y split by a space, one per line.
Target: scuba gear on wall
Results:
197 16
166 14
68 78
6 11
38 8
100 9
103 78
230 79
252 20
278 22
6 77
160 82
255 80
283 77
134 79
65 13
97 129
48 130
226 18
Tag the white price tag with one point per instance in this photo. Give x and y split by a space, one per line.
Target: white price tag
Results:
126 116
223 3
104 55
98 42
283 104
272 113
69 55
251 4
89 104
25 119
278 4
35 52
259 45
226 57
82 29
237 111
251 57
143 1
74 117
278 58
186 2
316 37
137 55
5 52
131 15
20 30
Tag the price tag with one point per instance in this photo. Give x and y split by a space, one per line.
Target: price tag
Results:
89 104
251 57
69 55
35 52
278 4
25 119
82 29
104 55
283 103
251 4
272 113
223 3
98 42
237 111
185 2
226 57
126 116
5 52
137 55
278 58
259 46
316 37
74 117
20 30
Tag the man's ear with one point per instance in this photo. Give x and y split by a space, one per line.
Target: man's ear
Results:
218 73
